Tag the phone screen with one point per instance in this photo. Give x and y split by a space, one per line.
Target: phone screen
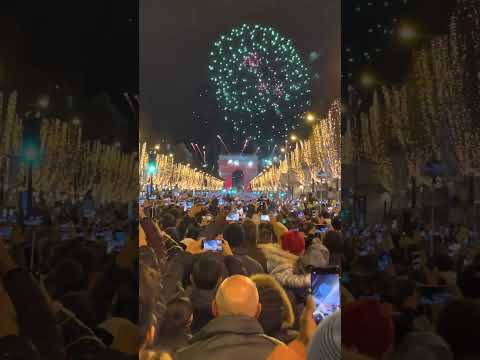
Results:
212 245
326 292
233 217
5 232
108 235
383 261
264 218
188 205
434 295
120 237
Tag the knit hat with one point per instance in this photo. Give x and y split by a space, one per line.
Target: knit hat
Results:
293 242
368 327
326 343
316 256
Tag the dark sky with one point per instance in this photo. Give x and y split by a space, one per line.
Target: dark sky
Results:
175 40
370 42
83 47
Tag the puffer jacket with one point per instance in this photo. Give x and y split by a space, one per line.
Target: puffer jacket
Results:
281 265
232 337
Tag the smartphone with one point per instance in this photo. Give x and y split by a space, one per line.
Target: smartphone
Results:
434 295
383 261
264 218
120 237
141 202
108 235
233 217
300 214
326 292
212 245
188 205
5 232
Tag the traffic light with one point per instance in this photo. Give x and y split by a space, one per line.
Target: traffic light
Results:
30 152
152 163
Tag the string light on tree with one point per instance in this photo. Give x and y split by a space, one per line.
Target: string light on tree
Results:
260 81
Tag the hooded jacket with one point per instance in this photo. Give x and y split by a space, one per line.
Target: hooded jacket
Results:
281 265
277 317
232 337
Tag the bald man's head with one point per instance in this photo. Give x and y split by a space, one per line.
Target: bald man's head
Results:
237 295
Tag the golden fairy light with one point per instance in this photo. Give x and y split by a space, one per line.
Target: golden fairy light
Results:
321 152
170 175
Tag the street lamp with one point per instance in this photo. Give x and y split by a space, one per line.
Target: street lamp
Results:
407 32
157 147
367 80
43 102
311 117
76 121
293 137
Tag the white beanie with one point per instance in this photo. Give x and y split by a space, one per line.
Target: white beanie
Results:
326 343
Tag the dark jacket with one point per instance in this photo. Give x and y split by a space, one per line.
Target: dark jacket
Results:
251 265
79 341
202 307
258 255
229 338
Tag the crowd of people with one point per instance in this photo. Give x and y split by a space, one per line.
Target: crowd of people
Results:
230 278
197 277
429 279
69 282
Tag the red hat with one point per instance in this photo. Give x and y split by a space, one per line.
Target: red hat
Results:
293 242
367 326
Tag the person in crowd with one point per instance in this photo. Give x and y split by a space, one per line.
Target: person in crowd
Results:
277 317
422 345
457 324
333 241
234 234
235 332
174 331
205 277
35 323
404 297
367 328
283 260
252 234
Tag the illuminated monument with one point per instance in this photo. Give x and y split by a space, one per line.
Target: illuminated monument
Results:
238 170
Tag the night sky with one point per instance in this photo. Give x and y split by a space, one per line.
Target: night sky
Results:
78 48
370 41
176 37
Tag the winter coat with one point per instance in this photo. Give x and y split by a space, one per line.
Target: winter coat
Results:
232 337
251 265
281 265
202 307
